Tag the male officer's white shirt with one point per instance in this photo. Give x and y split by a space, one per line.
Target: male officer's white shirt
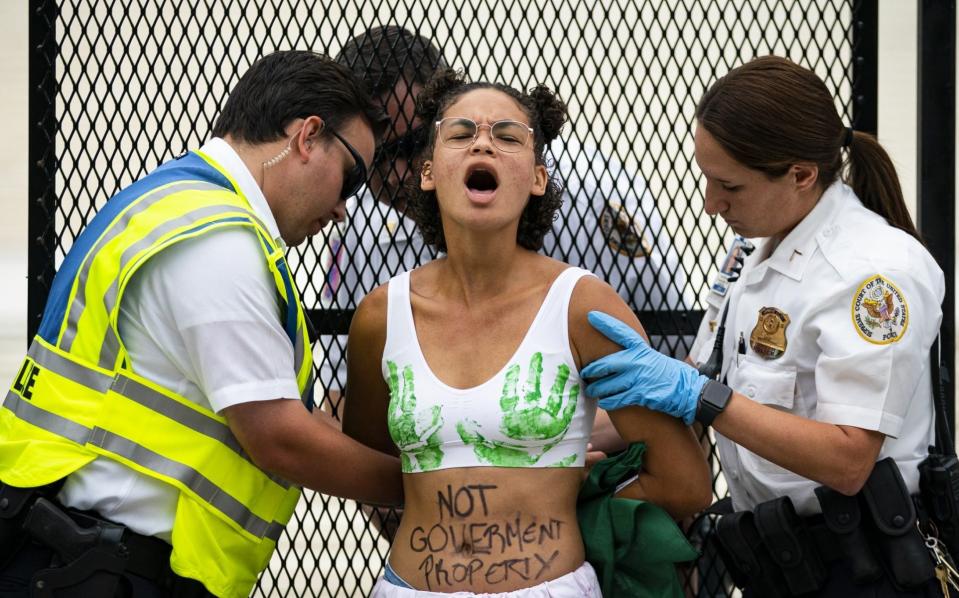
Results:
374 243
609 224
200 318
829 371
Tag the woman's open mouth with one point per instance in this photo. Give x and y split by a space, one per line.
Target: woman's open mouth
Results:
481 185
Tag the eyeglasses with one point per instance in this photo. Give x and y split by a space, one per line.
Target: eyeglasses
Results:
354 178
406 146
507 135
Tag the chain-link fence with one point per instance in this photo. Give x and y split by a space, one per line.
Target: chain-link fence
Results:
119 88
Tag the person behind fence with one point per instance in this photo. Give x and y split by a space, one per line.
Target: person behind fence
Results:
376 241
823 405
609 222
154 440
467 367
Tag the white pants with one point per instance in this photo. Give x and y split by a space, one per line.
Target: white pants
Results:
581 583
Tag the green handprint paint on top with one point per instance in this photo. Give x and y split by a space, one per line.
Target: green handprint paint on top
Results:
415 434
526 418
530 420
496 452
567 461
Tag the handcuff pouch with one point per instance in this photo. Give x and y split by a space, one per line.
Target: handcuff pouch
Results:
843 518
900 543
790 545
746 558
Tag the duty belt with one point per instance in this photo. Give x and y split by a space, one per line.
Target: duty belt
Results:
89 549
777 553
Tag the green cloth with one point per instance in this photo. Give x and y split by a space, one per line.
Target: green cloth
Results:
632 544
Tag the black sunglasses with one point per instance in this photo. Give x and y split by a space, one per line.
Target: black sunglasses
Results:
356 176
406 146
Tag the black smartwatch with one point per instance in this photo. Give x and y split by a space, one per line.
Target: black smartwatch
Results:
712 400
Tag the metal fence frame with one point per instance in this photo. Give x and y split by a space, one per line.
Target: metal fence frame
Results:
937 164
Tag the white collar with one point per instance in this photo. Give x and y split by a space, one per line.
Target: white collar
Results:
223 154
792 255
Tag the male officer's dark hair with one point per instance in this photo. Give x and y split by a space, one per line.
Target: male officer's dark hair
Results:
284 86
382 56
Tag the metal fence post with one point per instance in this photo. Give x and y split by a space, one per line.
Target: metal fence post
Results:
865 66
42 163
937 159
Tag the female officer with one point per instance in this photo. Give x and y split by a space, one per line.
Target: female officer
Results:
827 332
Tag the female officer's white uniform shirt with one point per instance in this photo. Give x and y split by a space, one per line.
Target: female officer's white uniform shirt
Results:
863 305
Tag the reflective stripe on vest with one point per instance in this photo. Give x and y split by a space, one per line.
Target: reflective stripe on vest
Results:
77 398
113 443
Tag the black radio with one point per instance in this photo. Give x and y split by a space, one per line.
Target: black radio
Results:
939 472
939 488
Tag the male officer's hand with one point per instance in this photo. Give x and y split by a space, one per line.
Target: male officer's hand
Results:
641 376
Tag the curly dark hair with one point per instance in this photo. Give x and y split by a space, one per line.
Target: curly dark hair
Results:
547 115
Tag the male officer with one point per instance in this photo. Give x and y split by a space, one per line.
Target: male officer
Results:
151 443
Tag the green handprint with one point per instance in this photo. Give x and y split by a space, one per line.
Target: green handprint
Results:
531 421
526 419
497 452
566 462
415 434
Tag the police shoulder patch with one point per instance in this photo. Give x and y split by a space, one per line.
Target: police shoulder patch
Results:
879 311
622 234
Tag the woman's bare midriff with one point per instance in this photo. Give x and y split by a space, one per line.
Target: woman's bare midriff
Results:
488 529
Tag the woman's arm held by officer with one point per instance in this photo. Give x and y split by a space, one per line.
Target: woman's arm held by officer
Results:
366 390
675 475
365 384
840 457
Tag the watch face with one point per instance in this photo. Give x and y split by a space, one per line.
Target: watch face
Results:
715 397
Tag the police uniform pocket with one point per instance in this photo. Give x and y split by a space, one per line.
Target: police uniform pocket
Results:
769 384
764 383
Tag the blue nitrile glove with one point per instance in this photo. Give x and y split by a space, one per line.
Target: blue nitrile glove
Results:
641 376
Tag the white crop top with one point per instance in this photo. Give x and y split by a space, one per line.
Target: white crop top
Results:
532 413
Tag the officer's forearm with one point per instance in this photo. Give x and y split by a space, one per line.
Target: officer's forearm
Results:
335 464
840 457
281 437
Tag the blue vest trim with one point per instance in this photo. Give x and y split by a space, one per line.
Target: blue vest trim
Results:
190 167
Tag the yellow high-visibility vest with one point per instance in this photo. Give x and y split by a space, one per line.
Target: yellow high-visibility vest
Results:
76 396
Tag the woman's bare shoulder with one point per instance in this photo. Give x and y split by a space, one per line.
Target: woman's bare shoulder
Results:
424 279
369 319
593 294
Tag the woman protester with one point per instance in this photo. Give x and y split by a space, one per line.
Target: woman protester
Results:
824 345
468 367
